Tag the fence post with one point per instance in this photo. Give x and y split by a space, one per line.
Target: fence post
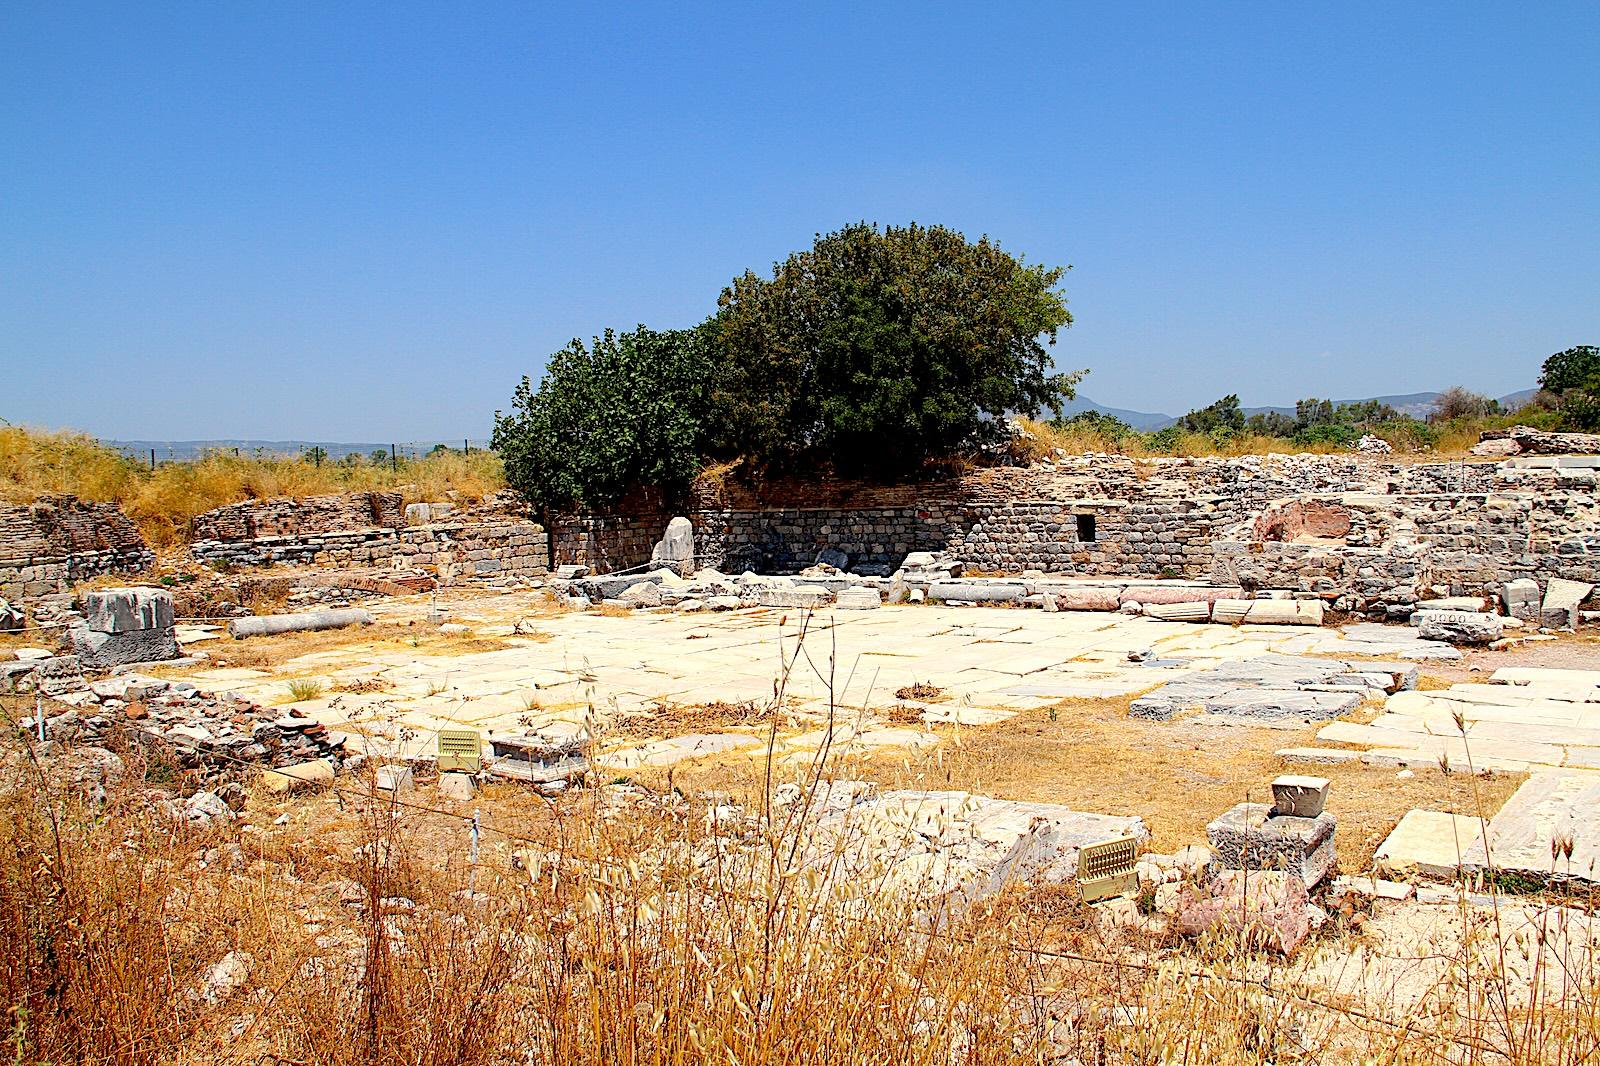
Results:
152 459
394 461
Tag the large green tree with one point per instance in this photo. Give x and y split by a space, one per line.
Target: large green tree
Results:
630 409
1575 368
876 350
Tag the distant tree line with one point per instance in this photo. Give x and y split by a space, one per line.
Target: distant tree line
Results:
875 352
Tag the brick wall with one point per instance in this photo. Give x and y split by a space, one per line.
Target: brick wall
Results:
49 545
288 516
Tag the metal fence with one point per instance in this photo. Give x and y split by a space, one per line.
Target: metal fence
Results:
185 451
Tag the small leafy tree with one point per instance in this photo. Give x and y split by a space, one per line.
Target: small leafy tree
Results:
1107 425
1458 402
1271 424
630 409
876 350
1225 414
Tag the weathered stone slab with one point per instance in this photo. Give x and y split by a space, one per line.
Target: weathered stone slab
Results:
1561 601
797 596
129 610
1522 599
976 592
1428 844
1148 594
1556 808
1322 756
1458 627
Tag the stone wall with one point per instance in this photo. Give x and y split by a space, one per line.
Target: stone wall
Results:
1375 532
287 516
366 529
49 545
478 549
612 540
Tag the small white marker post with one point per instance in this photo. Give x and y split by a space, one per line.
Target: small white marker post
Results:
38 714
472 856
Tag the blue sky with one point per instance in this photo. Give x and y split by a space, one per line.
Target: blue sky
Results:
364 222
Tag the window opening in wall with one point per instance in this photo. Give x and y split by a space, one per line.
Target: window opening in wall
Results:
1085 527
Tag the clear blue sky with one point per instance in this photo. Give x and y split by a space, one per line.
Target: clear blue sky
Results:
366 222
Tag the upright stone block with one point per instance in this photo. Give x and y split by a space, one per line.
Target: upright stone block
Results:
1299 796
129 610
1522 599
1250 837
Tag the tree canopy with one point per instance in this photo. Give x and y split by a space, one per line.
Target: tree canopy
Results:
630 409
1225 415
876 350
1575 368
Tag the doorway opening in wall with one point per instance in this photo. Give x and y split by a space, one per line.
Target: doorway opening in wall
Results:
1085 528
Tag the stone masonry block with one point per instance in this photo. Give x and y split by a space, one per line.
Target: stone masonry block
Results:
129 610
101 651
1250 837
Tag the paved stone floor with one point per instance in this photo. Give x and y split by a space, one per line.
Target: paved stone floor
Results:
988 662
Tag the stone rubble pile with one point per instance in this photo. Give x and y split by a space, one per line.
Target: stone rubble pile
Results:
218 737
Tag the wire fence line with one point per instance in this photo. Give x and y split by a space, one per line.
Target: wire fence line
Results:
156 453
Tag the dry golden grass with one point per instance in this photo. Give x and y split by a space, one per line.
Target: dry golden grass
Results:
1092 756
584 934
163 501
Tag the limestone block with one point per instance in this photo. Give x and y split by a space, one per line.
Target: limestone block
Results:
1428 844
976 591
858 598
1561 600
1522 599
456 786
396 779
128 610
1301 797
1458 627
298 776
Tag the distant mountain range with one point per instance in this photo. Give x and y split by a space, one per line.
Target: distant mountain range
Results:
1414 404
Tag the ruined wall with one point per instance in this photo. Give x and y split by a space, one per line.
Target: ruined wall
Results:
479 549
1377 532
362 529
287 516
48 545
612 540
